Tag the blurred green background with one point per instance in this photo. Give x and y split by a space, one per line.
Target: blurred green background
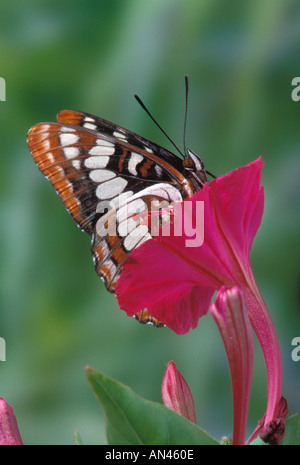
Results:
56 315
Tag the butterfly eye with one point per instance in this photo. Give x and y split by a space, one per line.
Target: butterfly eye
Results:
188 164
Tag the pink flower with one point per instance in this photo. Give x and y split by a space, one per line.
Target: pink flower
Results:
231 315
176 394
9 431
176 283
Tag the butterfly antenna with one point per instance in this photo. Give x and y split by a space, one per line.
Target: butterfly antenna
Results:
185 119
186 111
210 174
158 125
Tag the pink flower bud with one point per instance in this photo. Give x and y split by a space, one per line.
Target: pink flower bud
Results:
176 394
9 431
231 315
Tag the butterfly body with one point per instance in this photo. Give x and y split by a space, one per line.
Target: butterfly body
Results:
105 175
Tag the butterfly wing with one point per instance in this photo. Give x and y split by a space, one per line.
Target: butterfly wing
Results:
105 176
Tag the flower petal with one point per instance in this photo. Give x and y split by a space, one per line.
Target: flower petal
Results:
181 309
239 201
173 297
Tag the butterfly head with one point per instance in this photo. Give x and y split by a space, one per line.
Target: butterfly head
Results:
195 167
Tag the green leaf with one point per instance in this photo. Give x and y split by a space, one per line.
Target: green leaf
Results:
132 420
292 431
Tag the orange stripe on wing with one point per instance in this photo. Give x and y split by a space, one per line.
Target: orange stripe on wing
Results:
70 117
44 144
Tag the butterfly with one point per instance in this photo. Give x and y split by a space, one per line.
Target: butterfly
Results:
107 176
